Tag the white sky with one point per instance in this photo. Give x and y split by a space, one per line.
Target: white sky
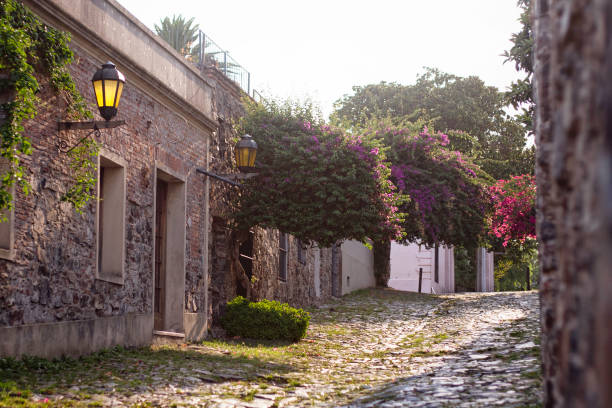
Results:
320 49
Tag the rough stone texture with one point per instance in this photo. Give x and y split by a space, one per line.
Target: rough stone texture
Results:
298 290
228 280
573 71
53 276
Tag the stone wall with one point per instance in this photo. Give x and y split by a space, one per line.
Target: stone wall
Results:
48 287
228 280
573 72
298 289
53 275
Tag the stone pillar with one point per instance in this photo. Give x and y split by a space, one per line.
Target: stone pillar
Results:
573 74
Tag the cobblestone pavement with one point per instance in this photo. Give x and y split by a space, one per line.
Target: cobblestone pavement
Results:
376 348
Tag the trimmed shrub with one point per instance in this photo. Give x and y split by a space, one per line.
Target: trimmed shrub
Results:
266 319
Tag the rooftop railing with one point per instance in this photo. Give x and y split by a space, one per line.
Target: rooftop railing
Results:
207 53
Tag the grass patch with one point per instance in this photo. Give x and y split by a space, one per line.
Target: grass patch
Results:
532 374
248 396
517 334
430 353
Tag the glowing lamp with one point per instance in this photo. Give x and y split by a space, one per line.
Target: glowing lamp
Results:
246 150
108 85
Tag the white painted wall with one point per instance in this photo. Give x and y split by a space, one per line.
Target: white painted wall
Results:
357 267
485 269
406 260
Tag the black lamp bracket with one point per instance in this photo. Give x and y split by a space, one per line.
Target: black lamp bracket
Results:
228 178
95 126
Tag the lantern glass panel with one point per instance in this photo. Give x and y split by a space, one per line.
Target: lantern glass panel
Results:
119 90
110 89
98 90
241 157
252 153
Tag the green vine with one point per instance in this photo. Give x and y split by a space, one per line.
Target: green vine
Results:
28 46
85 172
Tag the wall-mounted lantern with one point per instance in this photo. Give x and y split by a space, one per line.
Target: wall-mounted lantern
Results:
108 85
245 152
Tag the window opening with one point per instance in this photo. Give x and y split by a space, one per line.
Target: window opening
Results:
111 221
436 264
301 251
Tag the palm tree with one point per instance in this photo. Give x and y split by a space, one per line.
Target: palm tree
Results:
179 33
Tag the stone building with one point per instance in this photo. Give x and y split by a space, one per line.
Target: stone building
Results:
156 254
573 78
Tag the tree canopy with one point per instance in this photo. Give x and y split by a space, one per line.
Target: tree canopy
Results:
443 194
323 184
520 95
315 182
468 111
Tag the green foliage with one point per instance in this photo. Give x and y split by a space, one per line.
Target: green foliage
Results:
517 268
266 319
27 46
520 95
465 268
447 101
84 169
315 182
469 112
179 33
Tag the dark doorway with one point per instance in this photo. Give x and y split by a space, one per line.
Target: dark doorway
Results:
246 255
437 264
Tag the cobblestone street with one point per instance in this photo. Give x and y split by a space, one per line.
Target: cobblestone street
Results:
375 348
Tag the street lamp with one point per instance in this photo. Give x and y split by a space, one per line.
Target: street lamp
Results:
246 150
108 85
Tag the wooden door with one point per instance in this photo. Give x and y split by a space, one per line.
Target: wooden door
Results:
160 252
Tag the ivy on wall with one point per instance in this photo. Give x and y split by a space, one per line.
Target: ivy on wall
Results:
28 46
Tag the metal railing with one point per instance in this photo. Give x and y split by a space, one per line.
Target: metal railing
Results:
206 52
203 51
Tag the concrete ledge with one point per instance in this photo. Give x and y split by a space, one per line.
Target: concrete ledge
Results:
168 334
161 338
196 326
77 337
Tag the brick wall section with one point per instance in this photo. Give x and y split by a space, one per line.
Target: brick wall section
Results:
573 71
52 278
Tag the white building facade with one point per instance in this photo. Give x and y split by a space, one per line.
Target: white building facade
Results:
437 266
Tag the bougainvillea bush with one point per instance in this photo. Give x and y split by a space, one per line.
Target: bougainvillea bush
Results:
315 182
513 217
445 194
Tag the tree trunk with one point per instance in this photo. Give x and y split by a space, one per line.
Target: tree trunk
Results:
528 278
382 263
